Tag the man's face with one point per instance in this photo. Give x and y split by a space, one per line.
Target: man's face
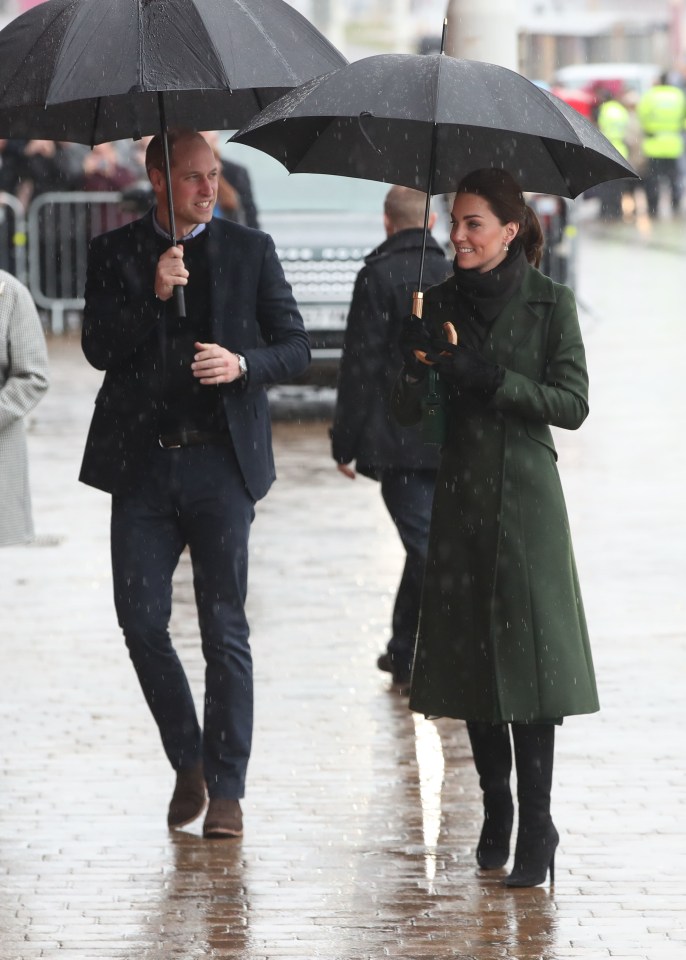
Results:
194 177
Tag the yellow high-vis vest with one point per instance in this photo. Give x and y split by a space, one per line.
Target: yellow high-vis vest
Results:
662 112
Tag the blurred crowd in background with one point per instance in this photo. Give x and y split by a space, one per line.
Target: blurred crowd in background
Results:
29 168
44 236
648 128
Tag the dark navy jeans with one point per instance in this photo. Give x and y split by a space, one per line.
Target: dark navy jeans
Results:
195 497
408 495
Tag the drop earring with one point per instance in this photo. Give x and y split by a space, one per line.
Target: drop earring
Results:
506 247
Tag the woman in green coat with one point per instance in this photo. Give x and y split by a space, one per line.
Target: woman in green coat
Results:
502 639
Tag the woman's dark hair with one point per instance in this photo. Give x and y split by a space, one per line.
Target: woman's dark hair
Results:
505 198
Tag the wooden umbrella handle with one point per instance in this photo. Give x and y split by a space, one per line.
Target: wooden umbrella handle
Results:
450 335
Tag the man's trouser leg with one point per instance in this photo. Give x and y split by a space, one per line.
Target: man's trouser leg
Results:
651 185
216 520
146 545
194 495
675 184
408 495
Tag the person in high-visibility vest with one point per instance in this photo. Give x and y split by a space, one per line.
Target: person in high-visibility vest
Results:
662 113
613 121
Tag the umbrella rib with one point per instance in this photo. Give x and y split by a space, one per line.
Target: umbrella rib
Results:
564 177
57 53
260 29
549 104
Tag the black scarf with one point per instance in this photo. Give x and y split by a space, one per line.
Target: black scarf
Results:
482 296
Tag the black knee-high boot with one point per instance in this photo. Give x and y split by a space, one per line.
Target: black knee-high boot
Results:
493 760
537 838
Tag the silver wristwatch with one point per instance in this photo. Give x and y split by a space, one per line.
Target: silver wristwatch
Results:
242 365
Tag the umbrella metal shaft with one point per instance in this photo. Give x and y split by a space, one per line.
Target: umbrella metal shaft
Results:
429 189
179 299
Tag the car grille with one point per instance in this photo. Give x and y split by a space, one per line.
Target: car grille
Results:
322 276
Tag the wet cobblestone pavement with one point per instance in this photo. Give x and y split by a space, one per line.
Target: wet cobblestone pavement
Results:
360 818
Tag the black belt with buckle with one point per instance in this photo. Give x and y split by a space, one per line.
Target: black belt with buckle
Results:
191 438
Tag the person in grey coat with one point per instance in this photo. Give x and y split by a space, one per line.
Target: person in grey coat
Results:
364 429
23 381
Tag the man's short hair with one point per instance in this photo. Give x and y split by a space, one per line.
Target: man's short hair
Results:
405 207
154 155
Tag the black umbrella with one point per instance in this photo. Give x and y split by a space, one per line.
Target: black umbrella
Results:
94 67
378 119
96 70
424 121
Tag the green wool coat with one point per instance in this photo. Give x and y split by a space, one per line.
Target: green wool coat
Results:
502 634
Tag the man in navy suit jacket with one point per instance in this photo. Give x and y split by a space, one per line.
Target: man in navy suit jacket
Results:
181 438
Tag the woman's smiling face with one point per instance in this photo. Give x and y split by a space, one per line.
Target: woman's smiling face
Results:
477 234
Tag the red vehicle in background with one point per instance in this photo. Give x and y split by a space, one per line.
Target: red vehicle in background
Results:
582 100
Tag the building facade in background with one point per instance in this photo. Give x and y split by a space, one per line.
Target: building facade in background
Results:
551 33
555 33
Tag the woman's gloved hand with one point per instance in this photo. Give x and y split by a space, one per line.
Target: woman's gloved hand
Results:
466 367
415 335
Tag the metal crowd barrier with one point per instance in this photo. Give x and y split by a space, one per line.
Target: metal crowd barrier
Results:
13 237
60 227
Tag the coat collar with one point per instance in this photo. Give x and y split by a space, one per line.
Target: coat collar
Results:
410 239
537 288
516 321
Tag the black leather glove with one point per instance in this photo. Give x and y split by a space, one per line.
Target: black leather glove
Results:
415 334
414 369
467 368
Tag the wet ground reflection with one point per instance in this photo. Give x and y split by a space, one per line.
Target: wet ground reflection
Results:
361 820
206 900
430 771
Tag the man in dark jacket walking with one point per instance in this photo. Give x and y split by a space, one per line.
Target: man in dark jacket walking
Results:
364 431
181 438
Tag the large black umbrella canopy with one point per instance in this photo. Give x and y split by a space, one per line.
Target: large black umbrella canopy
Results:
378 118
91 70
96 70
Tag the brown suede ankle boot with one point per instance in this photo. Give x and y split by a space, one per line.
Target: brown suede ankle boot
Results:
189 798
224 819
